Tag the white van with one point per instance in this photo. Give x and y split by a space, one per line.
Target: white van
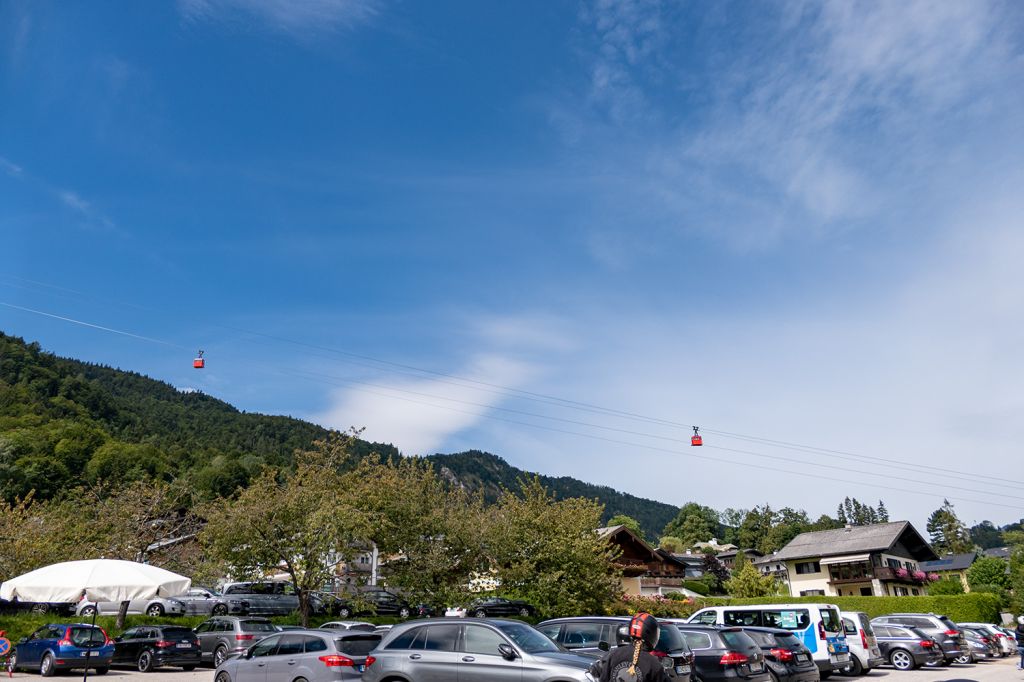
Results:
818 626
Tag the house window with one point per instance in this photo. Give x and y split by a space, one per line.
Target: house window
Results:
866 592
914 592
807 567
812 593
894 563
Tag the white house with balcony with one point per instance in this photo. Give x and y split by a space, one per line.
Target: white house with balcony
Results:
883 559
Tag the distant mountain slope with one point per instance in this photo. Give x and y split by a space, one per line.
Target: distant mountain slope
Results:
483 471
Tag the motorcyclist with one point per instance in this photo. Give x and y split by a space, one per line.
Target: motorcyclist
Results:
635 663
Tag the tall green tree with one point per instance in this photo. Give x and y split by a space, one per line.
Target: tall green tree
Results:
694 523
629 522
672 544
747 581
988 570
947 531
546 551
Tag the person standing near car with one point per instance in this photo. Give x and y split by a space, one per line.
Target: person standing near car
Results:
1019 633
635 663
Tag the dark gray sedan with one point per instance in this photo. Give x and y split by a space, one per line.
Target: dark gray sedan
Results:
906 648
312 655
204 602
491 650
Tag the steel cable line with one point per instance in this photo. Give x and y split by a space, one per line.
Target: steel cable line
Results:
498 389
355 382
682 453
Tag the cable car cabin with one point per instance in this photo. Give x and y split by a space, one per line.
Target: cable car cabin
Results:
199 363
696 440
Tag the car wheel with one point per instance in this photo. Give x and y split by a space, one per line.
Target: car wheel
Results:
219 654
46 668
188 668
344 612
775 678
102 671
855 669
223 676
966 658
480 613
404 612
902 660
145 662
88 611
220 610
40 609
155 610
524 612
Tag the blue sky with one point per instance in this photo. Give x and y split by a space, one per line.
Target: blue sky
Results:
795 221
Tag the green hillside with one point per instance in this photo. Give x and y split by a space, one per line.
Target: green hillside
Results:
483 471
64 422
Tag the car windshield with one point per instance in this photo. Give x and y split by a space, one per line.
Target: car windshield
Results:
257 626
526 638
177 633
787 641
948 623
87 636
830 620
669 638
738 640
358 645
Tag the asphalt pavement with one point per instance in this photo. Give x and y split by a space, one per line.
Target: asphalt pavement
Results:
1000 670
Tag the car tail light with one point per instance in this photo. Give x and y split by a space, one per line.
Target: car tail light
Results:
821 630
927 643
864 639
952 633
66 639
659 654
999 634
244 638
985 640
163 644
784 655
734 658
336 660
106 638
370 660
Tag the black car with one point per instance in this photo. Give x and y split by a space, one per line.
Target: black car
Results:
14 606
785 655
499 606
941 629
375 601
724 653
592 635
152 646
906 648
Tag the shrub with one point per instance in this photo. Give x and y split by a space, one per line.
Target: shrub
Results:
656 605
946 586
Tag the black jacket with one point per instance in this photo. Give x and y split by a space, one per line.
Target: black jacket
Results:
621 657
1020 634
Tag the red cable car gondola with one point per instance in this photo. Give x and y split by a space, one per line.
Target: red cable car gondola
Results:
199 362
696 440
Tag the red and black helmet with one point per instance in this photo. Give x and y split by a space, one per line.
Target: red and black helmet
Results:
644 627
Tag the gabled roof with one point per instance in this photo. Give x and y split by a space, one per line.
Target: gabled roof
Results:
877 537
950 562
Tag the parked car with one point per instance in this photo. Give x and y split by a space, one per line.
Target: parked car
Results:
1007 645
788 660
818 626
592 635
906 648
15 606
864 651
499 606
62 646
156 607
485 650
222 636
724 653
201 601
455 612
938 627
349 625
981 646
311 655
152 646
266 598
373 601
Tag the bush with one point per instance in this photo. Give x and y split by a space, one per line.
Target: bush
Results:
656 605
972 607
698 586
946 586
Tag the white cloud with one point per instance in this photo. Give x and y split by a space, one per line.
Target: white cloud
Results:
72 200
296 18
11 168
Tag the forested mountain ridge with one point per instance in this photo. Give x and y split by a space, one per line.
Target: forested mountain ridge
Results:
64 422
489 473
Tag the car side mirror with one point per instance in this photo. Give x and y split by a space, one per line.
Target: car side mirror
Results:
507 652
118 638
604 646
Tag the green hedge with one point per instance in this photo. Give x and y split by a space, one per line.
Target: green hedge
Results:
968 608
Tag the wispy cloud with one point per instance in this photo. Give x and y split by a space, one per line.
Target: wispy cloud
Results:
11 168
295 18
91 217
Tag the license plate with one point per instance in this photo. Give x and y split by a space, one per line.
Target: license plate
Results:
184 645
360 667
801 657
684 670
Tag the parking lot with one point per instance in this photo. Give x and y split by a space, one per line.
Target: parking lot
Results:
990 671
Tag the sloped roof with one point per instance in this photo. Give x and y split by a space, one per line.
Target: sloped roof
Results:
877 537
950 562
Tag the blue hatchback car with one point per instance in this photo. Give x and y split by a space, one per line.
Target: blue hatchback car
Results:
63 647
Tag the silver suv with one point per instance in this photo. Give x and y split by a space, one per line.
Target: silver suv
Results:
266 598
488 650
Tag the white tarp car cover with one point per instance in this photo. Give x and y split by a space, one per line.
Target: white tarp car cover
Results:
97 580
